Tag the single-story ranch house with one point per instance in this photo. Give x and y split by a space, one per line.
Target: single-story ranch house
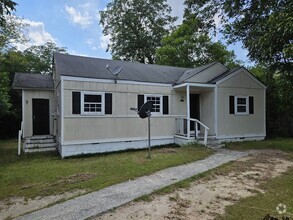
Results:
83 108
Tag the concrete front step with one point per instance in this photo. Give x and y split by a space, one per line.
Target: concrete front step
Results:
36 141
39 149
212 142
215 146
40 143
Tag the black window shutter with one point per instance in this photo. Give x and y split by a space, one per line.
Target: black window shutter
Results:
165 105
75 102
140 101
232 104
108 103
251 105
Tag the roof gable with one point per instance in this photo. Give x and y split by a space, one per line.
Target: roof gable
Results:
192 72
236 72
214 70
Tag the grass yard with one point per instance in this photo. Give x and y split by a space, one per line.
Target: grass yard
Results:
41 174
278 190
284 144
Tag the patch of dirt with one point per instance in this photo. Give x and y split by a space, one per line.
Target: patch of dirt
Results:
76 178
208 197
17 206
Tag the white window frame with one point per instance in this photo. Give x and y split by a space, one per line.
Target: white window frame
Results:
161 102
92 93
246 105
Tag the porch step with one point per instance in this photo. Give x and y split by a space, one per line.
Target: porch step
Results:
40 143
215 146
212 142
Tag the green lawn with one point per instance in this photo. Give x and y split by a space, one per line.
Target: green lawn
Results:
41 174
284 144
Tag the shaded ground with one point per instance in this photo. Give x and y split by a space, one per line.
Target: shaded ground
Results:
207 198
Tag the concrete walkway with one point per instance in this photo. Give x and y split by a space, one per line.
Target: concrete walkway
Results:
101 201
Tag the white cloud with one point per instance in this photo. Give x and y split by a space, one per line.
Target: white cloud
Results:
36 34
83 14
91 43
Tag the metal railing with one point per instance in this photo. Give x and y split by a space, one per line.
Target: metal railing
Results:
20 134
182 128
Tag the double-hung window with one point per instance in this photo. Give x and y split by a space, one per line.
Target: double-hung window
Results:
241 105
92 103
157 103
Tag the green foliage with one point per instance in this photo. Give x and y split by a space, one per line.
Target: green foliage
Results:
6 7
11 32
136 28
42 174
42 57
4 98
187 47
264 27
279 96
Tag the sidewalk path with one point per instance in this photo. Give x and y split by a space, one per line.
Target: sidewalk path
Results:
103 200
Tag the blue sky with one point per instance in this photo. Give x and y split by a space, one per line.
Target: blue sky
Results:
74 24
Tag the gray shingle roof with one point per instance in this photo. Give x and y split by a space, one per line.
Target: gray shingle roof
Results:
216 79
78 66
32 81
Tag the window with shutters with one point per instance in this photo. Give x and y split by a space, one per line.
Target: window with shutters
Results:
93 103
157 103
241 105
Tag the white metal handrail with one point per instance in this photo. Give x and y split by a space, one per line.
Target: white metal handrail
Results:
181 127
20 134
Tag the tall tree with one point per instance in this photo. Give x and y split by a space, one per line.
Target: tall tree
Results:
41 57
265 27
136 28
4 97
6 7
11 32
186 46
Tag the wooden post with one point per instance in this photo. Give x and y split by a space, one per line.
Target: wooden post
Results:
205 137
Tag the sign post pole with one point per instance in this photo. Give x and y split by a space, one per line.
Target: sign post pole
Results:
149 135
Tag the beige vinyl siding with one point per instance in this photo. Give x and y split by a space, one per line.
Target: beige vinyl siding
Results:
122 123
58 112
117 128
241 125
28 96
208 74
241 80
207 111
